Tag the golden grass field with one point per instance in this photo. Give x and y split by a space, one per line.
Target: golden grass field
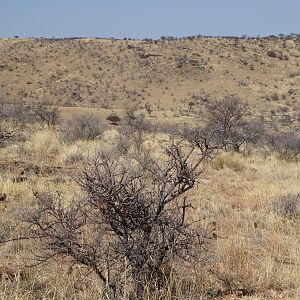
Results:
240 195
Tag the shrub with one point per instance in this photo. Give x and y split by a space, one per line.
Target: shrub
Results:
202 138
131 133
169 129
11 122
133 219
72 155
148 108
288 206
286 144
225 121
81 127
225 126
47 114
272 54
114 119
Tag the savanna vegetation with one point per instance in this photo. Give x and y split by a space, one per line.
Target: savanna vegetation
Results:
150 201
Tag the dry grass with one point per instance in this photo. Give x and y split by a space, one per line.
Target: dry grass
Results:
43 144
243 197
257 248
256 251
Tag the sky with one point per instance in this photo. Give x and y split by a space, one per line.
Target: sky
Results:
147 18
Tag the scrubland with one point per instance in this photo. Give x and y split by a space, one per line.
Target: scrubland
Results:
240 208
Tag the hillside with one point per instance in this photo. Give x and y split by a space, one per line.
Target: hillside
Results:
90 207
174 76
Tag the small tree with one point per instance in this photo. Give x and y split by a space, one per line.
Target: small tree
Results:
130 113
82 126
226 122
225 127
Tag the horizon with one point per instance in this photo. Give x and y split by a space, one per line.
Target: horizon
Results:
141 20
169 38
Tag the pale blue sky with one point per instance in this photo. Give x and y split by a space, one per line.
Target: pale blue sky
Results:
151 18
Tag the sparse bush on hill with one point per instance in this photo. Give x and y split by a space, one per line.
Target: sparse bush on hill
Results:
130 113
114 119
148 108
272 54
286 144
47 115
81 127
132 133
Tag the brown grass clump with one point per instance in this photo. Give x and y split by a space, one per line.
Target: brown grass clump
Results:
229 160
254 220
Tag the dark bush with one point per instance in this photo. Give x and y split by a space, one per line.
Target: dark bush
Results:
169 128
203 138
114 119
272 54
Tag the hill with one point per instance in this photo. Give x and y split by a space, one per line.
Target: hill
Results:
174 76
